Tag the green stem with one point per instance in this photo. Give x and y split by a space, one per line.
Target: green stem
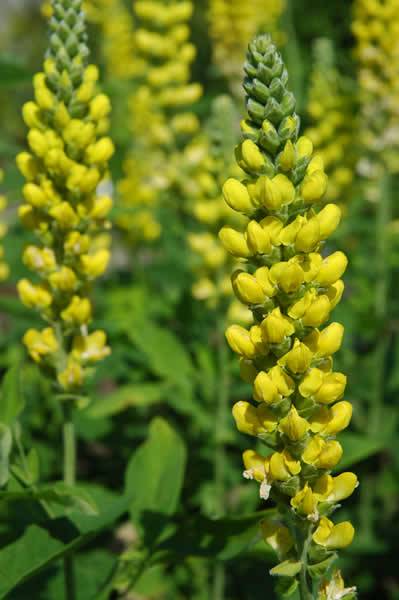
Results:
383 219
69 479
305 590
222 403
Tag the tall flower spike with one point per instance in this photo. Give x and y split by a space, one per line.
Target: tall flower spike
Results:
332 128
287 352
4 268
375 27
67 159
161 116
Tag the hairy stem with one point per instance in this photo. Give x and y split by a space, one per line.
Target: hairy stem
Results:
305 588
69 479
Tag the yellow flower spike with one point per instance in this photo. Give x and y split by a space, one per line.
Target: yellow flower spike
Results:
40 343
284 355
234 242
78 312
294 426
305 501
333 537
276 327
237 197
247 288
332 269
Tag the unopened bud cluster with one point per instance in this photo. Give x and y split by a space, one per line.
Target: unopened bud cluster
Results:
232 23
161 119
376 29
291 286
332 122
67 159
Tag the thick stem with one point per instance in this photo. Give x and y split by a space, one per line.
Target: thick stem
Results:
222 402
383 219
69 479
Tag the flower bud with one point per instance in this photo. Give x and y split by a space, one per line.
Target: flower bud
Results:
239 340
94 265
294 426
246 418
288 275
275 327
304 501
317 313
78 312
252 156
314 187
258 239
329 218
265 390
237 197
332 388
269 193
298 359
247 288
330 340
287 157
255 465
332 269
234 242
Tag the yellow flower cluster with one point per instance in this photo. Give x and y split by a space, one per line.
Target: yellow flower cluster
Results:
332 123
291 289
161 121
4 268
67 159
376 29
232 24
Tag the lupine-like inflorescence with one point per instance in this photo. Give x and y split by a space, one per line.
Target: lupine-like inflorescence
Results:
332 122
161 119
291 287
376 28
67 159
232 24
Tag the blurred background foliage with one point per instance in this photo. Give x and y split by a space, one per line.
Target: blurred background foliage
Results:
165 302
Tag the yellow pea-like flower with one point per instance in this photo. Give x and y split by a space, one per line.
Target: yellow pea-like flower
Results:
333 536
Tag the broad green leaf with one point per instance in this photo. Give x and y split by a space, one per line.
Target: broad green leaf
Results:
166 356
140 394
42 544
357 448
5 449
12 400
154 476
70 498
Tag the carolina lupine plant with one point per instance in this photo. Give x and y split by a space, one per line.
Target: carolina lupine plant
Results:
332 123
232 24
161 119
287 354
67 159
4 268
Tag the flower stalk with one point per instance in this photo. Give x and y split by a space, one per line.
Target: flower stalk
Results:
291 286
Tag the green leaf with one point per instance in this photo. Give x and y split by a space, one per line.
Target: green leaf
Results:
154 476
12 400
5 449
287 568
166 356
12 72
71 498
357 448
223 539
319 569
140 394
44 543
